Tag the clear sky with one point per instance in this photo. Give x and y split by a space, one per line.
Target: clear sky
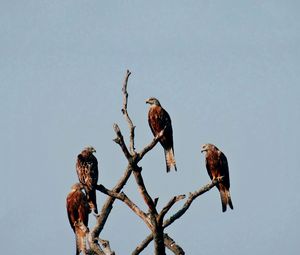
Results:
226 71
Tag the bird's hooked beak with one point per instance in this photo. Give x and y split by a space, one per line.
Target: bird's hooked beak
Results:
203 148
91 149
147 101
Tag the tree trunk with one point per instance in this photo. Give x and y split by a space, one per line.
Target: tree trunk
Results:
159 245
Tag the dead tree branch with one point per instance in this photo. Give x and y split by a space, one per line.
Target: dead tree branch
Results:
150 146
168 241
106 247
157 229
172 246
143 191
133 159
178 214
168 207
153 219
120 140
123 197
106 209
189 201
94 246
143 245
125 112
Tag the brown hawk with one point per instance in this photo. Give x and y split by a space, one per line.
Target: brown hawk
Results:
217 166
159 119
78 213
87 171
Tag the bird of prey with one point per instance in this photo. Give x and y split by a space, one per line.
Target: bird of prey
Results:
87 171
159 120
217 166
78 213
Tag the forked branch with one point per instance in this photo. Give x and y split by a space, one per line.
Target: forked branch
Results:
189 201
168 207
178 214
123 197
144 193
107 207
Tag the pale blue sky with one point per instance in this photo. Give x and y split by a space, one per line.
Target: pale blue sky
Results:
226 71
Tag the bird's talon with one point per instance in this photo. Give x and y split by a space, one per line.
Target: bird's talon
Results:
96 215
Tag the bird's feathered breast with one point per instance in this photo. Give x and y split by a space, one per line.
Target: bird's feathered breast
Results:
87 169
159 119
216 164
77 207
212 160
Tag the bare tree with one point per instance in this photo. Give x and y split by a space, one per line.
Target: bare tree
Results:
154 219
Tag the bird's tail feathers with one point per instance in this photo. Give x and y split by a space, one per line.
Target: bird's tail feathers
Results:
80 233
80 244
92 201
229 200
170 159
225 198
77 244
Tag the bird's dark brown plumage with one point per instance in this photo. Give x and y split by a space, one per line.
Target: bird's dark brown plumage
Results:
159 120
78 213
217 166
87 171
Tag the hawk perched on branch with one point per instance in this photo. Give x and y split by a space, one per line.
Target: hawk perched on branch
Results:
87 171
217 166
159 120
78 213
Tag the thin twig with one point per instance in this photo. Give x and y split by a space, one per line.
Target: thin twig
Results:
125 112
120 140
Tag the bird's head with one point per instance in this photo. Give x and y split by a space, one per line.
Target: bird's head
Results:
89 149
152 101
76 186
208 147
